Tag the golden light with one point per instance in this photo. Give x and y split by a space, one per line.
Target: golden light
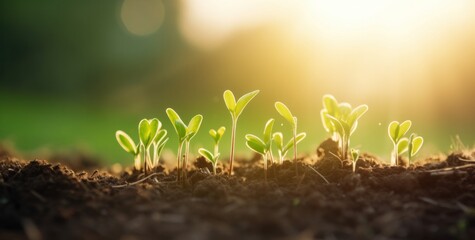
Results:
142 17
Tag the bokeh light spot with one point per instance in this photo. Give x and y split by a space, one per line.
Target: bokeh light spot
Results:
142 17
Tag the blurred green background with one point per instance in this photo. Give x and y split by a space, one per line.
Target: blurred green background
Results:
72 73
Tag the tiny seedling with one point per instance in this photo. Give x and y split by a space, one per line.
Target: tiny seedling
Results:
235 109
148 130
341 119
213 157
149 134
126 142
284 111
415 144
282 149
396 133
355 155
262 146
185 134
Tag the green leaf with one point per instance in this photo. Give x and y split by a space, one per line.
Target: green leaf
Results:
160 136
268 131
180 128
355 154
221 131
337 125
344 111
278 140
402 145
230 101
330 104
161 146
327 124
148 129
213 133
255 144
301 136
206 154
393 129
178 124
416 145
404 128
355 115
243 101
126 142
194 126
285 112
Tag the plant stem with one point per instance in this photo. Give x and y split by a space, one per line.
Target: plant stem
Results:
214 166
178 159
185 160
394 156
155 156
295 151
148 159
354 166
233 142
137 161
265 166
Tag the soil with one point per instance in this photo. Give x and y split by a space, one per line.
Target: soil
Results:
433 200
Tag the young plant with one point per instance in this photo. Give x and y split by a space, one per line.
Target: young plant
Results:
126 142
396 133
185 134
235 109
148 130
213 157
284 111
355 155
282 149
342 120
262 146
158 144
415 144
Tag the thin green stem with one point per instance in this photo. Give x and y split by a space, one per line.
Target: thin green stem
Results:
233 142
137 161
295 150
185 160
178 159
265 166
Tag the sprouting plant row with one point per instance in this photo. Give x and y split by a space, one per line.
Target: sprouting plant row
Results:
338 119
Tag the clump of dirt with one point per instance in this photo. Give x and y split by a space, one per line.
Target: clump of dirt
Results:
325 200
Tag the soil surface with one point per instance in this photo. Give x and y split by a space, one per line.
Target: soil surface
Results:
431 200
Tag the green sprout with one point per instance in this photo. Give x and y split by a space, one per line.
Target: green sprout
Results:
262 146
185 134
341 121
396 132
213 157
282 149
355 155
284 111
149 134
415 144
126 142
235 109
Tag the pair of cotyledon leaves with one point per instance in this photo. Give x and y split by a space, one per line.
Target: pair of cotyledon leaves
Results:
216 135
397 131
149 133
236 108
340 117
184 132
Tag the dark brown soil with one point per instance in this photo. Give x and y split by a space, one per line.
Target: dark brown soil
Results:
39 200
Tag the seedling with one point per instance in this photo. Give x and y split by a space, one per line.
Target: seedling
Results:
401 144
282 149
126 142
415 144
355 155
185 134
213 157
149 134
235 109
396 132
341 119
262 146
284 111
